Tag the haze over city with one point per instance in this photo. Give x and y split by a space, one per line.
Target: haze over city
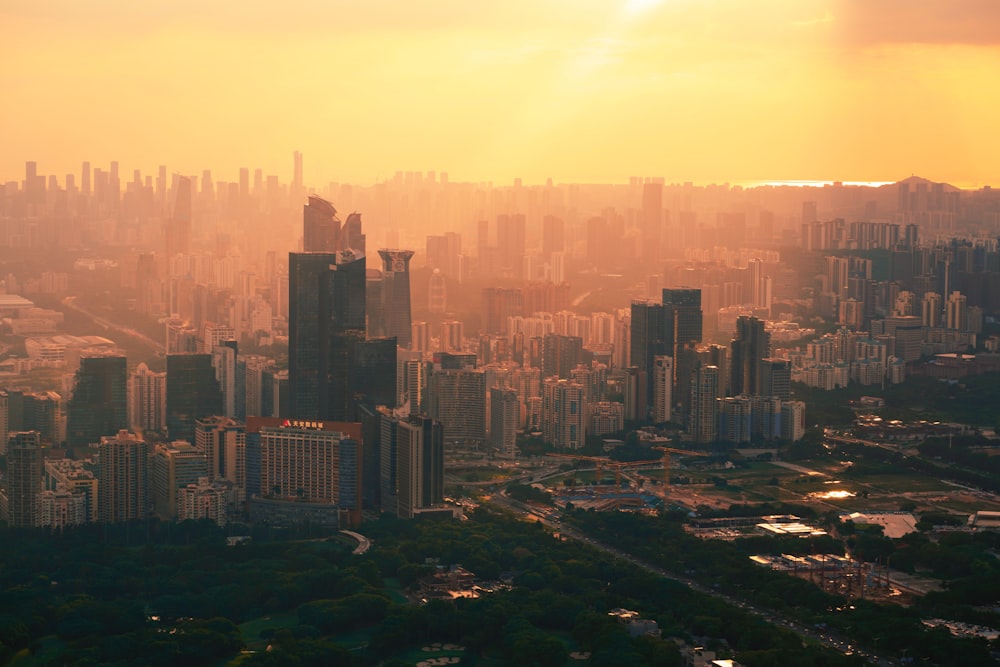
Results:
591 91
637 333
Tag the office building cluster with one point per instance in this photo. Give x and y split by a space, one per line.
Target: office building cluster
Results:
225 436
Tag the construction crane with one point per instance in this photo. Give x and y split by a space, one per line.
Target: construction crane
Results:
601 462
667 451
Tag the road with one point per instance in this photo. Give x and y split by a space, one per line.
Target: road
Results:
70 302
828 640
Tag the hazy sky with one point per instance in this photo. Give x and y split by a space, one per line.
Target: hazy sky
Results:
579 90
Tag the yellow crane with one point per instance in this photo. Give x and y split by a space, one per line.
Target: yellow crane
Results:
667 451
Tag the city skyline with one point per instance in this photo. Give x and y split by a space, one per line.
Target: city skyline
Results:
702 92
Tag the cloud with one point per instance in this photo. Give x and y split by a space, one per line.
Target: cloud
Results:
872 22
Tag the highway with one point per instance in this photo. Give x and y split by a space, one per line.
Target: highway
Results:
826 639
70 302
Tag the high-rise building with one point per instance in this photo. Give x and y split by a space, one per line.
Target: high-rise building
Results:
23 479
351 237
683 317
443 253
957 312
10 401
735 419
704 393
222 440
396 295
776 378
315 461
564 411
254 366
320 226
505 419
373 373
452 336
178 232
511 243
388 460
561 354
648 340
437 293
793 420
122 483
173 466
457 399
414 384
931 310
419 466
663 383
43 412
751 345
651 221
99 405
225 361
192 393
606 417
326 319
499 304
420 338
553 235
202 499
297 188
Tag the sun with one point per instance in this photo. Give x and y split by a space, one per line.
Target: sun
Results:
635 7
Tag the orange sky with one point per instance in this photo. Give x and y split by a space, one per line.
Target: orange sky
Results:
576 90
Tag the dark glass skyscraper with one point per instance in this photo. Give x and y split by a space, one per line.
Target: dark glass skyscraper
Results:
666 329
750 347
99 406
373 373
192 393
395 295
320 226
326 318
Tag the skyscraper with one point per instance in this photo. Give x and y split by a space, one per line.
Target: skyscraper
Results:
320 226
396 294
560 354
326 319
173 466
373 373
192 393
663 383
99 405
511 240
704 411
24 478
776 378
122 483
648 340
750 347
457 399
505 418
419 466
564 413
178 232
351 237
223 442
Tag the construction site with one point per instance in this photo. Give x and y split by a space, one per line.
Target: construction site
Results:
642 486
849 578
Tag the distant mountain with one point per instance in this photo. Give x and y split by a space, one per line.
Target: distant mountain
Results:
915 180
